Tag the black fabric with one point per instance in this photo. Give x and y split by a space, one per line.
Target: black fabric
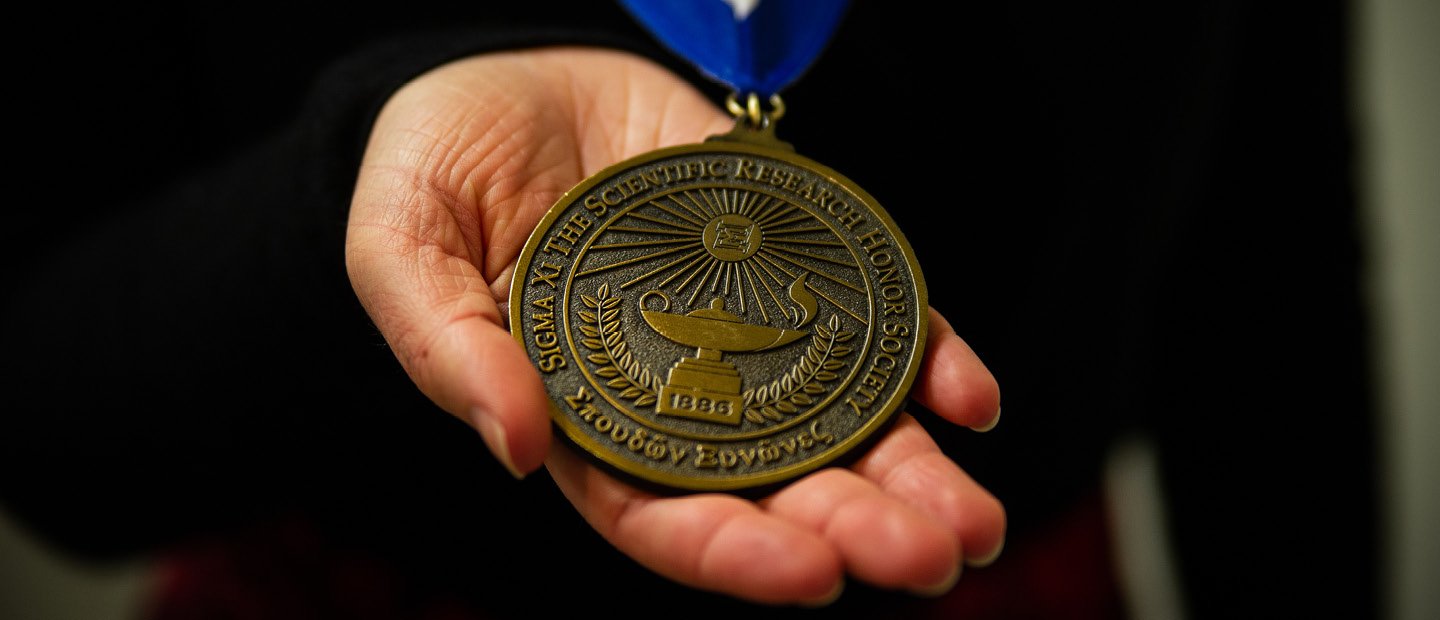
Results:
1142 219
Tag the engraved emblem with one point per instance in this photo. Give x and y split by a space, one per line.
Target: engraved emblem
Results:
719 316
728 237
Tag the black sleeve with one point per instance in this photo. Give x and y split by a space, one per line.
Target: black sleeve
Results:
195 355
1139 218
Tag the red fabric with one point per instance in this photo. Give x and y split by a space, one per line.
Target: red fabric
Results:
1064 570
287 571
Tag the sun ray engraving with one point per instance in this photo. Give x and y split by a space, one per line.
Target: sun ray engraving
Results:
765 209
696 255
827 259
833 244
711 201
666 209
840 281
798 230
759 303
768 262
778 303
799 218
638 259
654 231
749 202
722 198
690 243
697 264
720 241
688 209
709 260
785 209
699 205
694 205
839 305
713 271
657 220
701 284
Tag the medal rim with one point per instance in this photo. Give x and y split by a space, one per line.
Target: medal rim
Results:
652 478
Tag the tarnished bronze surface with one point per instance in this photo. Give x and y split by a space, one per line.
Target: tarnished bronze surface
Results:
720 316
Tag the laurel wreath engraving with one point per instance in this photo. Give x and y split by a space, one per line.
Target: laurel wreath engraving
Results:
797 387
601 327
807 378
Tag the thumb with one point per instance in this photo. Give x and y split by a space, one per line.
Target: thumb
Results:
413 270
461 164
441 321
473 368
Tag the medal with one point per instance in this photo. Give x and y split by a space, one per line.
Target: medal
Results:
723 315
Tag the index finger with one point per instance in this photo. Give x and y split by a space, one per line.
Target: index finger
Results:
953 382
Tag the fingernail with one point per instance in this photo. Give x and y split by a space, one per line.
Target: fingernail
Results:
993 423
494 435
989 559
830 597
940 588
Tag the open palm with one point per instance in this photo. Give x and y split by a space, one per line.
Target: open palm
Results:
461 165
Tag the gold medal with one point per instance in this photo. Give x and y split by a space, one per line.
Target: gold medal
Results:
720 316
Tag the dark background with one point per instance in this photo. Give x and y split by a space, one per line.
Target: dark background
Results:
1141 217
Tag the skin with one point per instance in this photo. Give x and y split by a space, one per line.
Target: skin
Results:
461 165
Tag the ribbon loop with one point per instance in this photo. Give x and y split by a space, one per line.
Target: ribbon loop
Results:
753 46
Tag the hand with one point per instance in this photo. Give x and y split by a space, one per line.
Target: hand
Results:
461 165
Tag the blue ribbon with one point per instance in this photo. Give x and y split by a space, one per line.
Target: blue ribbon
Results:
758 46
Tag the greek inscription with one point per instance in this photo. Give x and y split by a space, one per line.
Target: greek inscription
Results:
705 456
789 445
825 438
728 458
580 402
655 447
637 440
767 452
763 452
747 455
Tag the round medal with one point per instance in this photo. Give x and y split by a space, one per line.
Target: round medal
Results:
720 316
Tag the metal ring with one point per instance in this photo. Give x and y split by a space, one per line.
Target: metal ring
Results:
752 112
733 105
777 108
